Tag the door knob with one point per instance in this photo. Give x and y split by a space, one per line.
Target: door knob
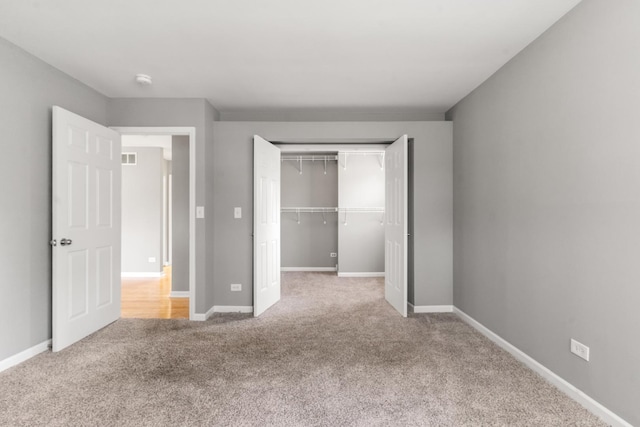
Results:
65 242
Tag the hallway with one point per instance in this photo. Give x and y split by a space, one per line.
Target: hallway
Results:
148 298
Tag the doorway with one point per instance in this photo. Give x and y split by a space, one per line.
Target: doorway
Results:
393 217
176 229
155 254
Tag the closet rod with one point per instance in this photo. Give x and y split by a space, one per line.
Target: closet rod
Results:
379 154
362 210
308 158
299 210
308 209
346 211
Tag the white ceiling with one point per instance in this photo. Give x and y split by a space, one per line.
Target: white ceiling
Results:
282 54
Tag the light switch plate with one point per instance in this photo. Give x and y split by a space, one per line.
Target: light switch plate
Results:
199 211
237 213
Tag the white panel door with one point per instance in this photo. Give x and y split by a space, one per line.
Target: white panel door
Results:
266 225
396 224
86 227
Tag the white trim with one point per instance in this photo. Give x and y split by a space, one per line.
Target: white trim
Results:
431 308
329 146
233 308
179 294
361 274
24 355
202 317
191 133
137 274
307 269
566 387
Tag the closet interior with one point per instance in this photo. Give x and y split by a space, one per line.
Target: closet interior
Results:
332 211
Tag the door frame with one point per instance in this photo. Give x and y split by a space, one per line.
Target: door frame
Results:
335 144
191 133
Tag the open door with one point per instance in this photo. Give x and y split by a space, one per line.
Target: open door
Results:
85 227
396 224
266 225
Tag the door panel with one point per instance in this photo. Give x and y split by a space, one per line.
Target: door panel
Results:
396 212
266 260
85 226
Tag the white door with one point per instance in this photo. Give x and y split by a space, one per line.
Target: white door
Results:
266 225
86 227
395 230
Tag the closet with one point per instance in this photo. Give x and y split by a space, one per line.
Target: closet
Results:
339 208
332 212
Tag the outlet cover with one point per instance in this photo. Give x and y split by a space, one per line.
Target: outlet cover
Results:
236 287
152 259
237 213
333 254
580 349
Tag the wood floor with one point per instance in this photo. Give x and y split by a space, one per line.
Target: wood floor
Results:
148 298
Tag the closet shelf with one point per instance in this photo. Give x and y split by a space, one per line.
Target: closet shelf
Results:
300 209
309 158
346 211
379 154
361 210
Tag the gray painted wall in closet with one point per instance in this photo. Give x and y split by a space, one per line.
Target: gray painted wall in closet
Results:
309 243
360 235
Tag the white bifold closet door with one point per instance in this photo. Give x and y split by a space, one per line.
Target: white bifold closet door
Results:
266 225
396 224
85 227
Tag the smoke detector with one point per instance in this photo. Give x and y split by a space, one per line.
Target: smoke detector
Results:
143 79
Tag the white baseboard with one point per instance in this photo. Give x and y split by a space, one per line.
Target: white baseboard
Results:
223 309
135 274
179 294
363 274
24 355
201 317
307 269
431 308
233 308
566 387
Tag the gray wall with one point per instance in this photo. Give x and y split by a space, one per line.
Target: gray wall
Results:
211 115
197 113
180 213
233 186
547 201
309 243
361 184
142 211
166 173
29 88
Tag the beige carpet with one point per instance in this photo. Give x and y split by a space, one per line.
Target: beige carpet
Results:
331 353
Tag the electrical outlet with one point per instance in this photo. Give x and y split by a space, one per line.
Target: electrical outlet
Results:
580 349
152 259
333 254
237 213
236 287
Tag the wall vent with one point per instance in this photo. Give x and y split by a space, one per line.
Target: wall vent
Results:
130 159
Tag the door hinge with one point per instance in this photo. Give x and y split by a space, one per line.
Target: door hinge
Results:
53 242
